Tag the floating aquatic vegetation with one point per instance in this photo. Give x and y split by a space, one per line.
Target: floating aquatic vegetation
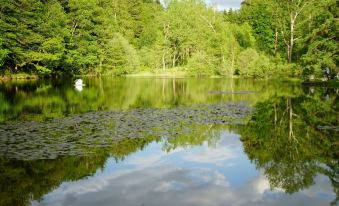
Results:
79 134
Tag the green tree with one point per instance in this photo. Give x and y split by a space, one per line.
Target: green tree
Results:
33 33
3 53
258 15
322 41
292 17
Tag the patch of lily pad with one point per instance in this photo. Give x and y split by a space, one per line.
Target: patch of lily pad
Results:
79 134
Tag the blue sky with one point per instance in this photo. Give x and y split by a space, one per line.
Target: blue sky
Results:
222 4
225 4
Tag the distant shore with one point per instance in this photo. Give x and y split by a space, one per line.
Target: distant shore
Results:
21 76
170 74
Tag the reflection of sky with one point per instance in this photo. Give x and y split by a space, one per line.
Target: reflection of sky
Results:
197 176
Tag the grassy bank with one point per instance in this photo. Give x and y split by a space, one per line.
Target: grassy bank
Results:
19 76
171 73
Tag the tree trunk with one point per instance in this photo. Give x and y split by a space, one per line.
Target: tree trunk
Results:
163 61
100 66
275 115
291 41
233 60
276 41
165 40
174 60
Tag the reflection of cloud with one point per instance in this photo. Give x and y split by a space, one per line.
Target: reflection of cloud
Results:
229 147
322 185
152 178
261 185
145 161
151 158
213 156
168 185
231 140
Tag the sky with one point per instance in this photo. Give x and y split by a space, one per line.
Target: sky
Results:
225 4
222 4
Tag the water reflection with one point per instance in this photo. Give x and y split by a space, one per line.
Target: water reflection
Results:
79 85
294 139
42 100
153 177
287 154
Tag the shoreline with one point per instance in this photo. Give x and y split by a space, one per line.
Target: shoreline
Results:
166 74
19 77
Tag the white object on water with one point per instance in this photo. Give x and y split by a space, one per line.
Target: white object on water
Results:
78 82
79 88
79 85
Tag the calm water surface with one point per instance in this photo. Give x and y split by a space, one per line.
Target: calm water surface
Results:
118 141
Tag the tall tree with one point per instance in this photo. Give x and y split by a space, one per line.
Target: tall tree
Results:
321 42
293 15
32 33
260 17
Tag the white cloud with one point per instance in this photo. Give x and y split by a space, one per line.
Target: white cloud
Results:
221 4
225 4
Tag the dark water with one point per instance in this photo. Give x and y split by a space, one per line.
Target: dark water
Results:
119 141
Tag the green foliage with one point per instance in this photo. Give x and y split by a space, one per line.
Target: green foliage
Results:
149 58
258 15
323 50
32 32
304 32
252 64
200 64
128 36
3 53
123 57
244 36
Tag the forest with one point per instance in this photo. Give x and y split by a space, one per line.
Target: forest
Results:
264 38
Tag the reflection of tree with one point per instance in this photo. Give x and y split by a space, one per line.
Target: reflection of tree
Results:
199 134
283 139
42 100
22 181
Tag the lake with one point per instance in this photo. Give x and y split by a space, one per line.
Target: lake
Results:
154 141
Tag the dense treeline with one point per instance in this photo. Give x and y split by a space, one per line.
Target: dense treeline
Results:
120 37
303 32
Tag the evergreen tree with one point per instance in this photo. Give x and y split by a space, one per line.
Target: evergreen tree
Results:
125 36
